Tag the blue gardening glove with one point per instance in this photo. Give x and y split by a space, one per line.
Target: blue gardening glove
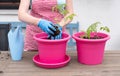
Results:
46 26
59 36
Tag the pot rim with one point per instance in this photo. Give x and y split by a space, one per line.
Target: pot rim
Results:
46 40
91 40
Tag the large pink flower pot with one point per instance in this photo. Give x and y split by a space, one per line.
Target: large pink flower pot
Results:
51 51
90 51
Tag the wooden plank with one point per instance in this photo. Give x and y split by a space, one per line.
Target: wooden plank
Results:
25 67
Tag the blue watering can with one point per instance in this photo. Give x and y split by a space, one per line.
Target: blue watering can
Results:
16 42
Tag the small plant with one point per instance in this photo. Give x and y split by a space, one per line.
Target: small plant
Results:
60 8
94 28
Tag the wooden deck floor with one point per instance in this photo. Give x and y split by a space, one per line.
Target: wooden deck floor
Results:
26 67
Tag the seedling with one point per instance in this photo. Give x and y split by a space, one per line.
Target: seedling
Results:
93 28
61 8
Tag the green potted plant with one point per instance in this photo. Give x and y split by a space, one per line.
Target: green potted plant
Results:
52 53
91 43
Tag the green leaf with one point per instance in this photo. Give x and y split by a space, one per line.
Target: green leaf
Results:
92 28
105 28
70 16
88 33
64 12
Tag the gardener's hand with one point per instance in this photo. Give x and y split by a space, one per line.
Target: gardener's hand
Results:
59 36
46 26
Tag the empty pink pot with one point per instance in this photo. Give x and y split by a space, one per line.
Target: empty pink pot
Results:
90 51
51 51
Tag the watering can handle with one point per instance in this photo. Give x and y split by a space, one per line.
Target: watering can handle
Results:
18 28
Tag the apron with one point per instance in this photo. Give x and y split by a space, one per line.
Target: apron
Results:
40 9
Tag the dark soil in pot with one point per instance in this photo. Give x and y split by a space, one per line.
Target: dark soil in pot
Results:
94 37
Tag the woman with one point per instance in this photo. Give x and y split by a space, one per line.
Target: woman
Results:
41 18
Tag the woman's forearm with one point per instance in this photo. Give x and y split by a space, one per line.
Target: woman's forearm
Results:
23 14
25 17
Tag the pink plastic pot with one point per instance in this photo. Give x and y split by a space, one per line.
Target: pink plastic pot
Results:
51 51
90 51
